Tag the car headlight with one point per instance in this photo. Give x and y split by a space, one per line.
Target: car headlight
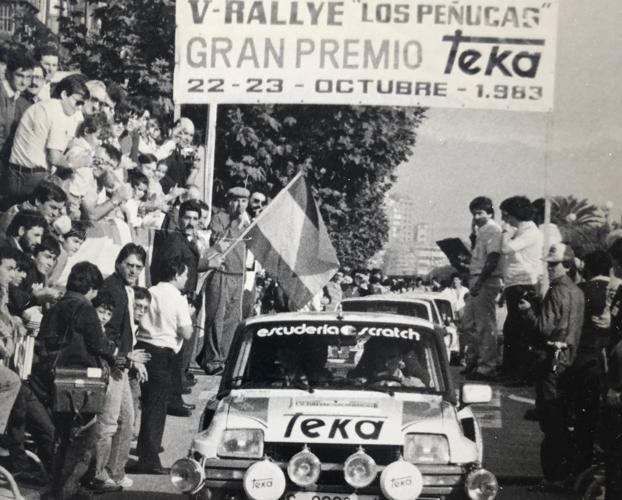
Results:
481 485
187 475
359 470
241 443
426 449
304 468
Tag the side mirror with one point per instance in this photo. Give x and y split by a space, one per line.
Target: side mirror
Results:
475 393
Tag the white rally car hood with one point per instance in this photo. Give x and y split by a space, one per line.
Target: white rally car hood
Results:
333 416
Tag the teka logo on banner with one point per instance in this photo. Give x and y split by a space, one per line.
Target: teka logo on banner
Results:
493 54
334 427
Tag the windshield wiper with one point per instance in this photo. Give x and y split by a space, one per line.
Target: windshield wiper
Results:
376 388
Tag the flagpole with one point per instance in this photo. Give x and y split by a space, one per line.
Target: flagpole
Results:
259 217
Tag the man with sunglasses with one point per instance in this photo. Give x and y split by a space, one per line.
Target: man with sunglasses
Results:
556 328
42 137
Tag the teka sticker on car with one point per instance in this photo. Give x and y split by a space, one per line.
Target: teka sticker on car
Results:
335 424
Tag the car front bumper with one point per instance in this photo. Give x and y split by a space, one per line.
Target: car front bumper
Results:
440 482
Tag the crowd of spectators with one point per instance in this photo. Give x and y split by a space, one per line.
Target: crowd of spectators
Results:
78 154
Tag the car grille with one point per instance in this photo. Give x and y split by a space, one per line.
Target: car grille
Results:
332 453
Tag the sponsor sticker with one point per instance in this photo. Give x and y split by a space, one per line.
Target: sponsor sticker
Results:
264 481
401 480
349 330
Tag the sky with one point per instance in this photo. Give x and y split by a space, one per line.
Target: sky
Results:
462 153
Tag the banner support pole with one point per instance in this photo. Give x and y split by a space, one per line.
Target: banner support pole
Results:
546 243
210 154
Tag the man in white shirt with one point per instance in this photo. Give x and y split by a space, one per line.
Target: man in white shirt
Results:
42 136
521 246
479 318
163 330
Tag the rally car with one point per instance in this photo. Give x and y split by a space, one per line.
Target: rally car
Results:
427 305
337 406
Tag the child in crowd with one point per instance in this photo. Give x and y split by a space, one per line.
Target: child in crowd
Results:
36 281
70 243
163 178
104 305
134 208
142 300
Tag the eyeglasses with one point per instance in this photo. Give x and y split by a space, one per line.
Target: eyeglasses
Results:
97 101
256 201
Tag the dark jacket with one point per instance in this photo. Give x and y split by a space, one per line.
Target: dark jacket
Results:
7 114
119 328
71 331
167 245
593 339
178 168
560 318
614 351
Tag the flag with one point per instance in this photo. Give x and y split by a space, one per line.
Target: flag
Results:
290 241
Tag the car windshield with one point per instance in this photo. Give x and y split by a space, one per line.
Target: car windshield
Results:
386 357
414 309
444 307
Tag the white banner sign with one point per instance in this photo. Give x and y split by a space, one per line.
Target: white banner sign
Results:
492 54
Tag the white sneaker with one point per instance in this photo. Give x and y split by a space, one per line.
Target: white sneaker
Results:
126 482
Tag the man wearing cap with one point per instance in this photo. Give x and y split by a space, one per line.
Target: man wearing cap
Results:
224 286
556 330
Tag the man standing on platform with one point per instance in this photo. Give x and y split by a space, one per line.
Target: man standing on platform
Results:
223 300
484 285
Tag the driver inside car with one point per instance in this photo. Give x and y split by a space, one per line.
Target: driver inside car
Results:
384 366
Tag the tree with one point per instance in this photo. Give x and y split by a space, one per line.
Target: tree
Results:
349 153
131 42
583 225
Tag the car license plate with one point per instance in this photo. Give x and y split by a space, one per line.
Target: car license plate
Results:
309 495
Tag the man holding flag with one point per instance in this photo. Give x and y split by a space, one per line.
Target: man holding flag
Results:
290 241
224 286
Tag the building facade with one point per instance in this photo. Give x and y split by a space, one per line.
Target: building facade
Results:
410 250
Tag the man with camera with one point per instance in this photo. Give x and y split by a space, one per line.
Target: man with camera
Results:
556 329
521 247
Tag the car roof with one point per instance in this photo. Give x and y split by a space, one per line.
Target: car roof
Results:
346 316
427 295
387 297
